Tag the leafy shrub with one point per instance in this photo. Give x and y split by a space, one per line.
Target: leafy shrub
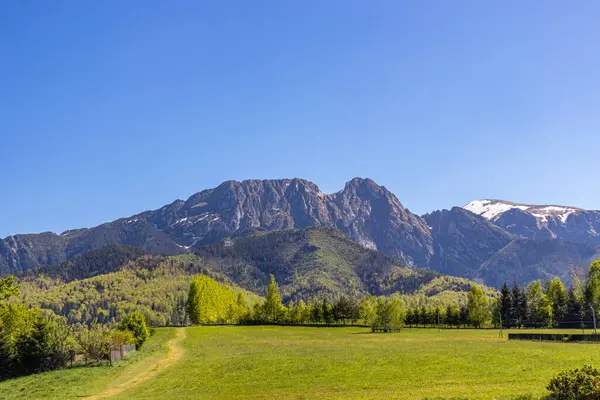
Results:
95 341
576 384
136 324
120 338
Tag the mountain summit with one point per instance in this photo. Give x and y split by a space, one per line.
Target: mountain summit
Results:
364 211
541 221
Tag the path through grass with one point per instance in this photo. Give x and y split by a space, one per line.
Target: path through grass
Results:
82 382
149 369
268 362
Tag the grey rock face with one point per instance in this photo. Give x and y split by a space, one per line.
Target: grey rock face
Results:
364 211
463 241
525 260
480 241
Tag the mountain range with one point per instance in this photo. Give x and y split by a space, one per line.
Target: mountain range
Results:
487 240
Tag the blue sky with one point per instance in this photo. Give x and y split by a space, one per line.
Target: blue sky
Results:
111 108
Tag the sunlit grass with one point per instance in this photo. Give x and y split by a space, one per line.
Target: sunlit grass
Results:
352 363
268 362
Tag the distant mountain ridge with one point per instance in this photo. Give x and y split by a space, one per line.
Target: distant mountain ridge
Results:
541 221
476 241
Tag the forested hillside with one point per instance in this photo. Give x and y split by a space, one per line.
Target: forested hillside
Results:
96 262
320 262
153 285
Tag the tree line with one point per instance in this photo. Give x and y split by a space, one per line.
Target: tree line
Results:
535 306
551 304
211 302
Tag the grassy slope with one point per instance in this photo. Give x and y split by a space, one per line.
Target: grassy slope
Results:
85 381
350 363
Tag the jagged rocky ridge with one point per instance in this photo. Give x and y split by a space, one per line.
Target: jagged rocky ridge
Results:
480 241
364 211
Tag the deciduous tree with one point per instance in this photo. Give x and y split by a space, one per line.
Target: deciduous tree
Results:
478 307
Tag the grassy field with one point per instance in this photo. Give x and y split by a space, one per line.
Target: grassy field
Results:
229 362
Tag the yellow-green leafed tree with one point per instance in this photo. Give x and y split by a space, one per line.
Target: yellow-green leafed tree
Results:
478 307
210 302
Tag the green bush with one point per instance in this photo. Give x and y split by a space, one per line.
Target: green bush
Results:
576 384
95 341
136 324
120 338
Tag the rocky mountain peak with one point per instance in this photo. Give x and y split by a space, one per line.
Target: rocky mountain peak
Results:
364 211
541 221
493 209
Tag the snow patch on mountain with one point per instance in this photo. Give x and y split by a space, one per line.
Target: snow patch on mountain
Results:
493 209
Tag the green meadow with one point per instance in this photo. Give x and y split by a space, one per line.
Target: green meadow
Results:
271 362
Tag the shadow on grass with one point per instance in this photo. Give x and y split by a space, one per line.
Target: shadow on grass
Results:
520 397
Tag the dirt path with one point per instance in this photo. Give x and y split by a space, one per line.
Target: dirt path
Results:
173 355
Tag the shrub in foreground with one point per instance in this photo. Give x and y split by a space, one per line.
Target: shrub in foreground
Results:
576 384
95 341
136 324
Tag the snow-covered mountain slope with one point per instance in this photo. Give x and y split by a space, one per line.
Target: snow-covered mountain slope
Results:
493 209
541 221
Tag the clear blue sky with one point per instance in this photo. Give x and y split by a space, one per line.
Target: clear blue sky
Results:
109 108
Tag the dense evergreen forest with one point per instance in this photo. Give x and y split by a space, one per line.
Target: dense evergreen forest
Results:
95 262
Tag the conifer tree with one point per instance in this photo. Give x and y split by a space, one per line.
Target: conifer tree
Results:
519 305
193 309
463 319
505 306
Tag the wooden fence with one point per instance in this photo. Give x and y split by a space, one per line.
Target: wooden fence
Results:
554 337
116 353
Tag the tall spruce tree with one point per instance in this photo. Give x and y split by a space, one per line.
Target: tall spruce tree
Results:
463 316
505 305
193 309
519 306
